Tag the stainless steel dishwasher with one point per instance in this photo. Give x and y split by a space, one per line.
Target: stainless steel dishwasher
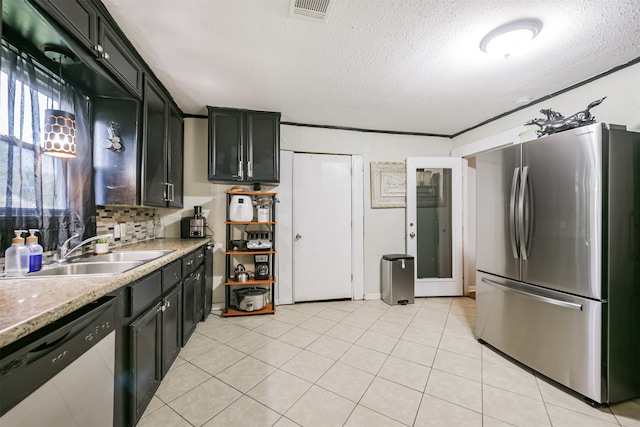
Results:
64 374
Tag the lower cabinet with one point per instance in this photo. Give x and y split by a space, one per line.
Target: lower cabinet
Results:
156 315
155 344
192 303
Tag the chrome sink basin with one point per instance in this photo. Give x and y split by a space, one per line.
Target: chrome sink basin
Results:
86 268
122 256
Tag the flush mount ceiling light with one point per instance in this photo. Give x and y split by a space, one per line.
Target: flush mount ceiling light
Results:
59 125
508 38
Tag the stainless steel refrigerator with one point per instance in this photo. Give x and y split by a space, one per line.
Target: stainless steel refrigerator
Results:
558 258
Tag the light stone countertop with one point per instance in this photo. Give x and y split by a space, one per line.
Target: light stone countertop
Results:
28 304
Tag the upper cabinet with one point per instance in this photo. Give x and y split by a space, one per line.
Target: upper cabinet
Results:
244 146
162 148
84 21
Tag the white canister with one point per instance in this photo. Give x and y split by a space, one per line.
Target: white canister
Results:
263 214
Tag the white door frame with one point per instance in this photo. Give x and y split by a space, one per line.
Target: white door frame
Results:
469 151
428 287
284 236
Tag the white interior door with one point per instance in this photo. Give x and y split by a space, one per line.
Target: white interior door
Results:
321 227
434 224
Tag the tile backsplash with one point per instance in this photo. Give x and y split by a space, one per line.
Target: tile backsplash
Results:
139 223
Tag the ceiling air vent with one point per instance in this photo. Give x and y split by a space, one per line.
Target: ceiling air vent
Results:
317 10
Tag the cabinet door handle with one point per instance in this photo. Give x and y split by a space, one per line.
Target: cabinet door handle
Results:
190 262
168 304
240 171
200 256
165 197
98 48
172 192
197 276
249 169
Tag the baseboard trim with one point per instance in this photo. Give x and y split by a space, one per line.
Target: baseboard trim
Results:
372 296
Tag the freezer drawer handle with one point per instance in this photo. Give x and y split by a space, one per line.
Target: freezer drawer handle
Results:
548 300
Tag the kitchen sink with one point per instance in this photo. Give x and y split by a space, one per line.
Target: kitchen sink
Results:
86 268
121 256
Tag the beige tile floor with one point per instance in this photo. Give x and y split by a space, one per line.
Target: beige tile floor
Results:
360 363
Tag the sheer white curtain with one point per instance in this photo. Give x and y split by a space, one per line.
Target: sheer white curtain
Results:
39 191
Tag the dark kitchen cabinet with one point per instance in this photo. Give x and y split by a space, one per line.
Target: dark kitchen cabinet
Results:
162 150
176 157
118 59
244 146
171 330
156 340
83 20
146 336
193 303
79 17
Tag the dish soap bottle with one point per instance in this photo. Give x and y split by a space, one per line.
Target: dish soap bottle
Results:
16 257
35 251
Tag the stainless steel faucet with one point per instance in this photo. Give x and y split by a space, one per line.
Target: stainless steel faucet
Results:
64 251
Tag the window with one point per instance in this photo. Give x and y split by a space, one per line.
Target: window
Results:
39 191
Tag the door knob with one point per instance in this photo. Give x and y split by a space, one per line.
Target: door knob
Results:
412 234
298 237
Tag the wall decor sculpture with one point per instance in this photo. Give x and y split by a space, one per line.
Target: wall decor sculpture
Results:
388 185
556 122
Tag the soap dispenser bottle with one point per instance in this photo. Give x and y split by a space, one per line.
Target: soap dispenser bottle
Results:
16 257
35 251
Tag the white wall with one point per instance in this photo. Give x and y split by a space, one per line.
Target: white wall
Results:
622 105
383 228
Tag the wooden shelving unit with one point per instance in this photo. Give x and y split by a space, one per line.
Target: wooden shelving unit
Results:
233 228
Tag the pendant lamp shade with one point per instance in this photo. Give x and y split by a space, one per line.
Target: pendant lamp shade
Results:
59 134
59 139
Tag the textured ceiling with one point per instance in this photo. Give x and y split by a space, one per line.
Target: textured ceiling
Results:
398 65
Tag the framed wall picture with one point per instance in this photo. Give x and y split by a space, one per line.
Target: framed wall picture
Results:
388 185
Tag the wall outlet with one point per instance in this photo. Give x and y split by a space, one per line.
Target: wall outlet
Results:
116 231
123 230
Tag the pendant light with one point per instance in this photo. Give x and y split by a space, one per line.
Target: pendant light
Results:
59 125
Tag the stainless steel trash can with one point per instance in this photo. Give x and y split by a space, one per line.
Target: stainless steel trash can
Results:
398 284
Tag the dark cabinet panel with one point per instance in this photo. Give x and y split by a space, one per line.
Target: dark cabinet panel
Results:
119 60
77 16
171 328
244 146
225 145
188 308
162 156
116 173
175 163
198 294
154 147
263 147
86 24
145 335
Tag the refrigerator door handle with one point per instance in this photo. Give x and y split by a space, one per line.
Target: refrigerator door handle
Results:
547 300
521 216
512 213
